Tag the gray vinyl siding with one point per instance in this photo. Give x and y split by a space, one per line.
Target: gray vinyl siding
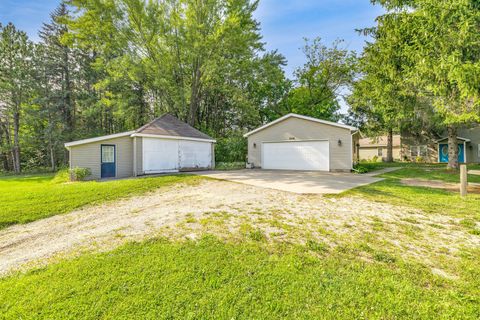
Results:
139 156
88 156
300 129
472 147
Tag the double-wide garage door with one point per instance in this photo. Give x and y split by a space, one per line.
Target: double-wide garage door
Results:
296 155
167 155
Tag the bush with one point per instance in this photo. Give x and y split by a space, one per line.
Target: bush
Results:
79 174
358 168
229 165
419 159
231 149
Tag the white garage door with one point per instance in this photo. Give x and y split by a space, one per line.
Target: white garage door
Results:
296 155
195 154
160 155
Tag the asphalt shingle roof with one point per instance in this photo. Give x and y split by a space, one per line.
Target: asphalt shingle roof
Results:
168 125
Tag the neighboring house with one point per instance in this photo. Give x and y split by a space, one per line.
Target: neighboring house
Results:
295 142
371 148
164 145
427 149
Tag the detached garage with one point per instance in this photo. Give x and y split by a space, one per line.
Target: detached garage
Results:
296 142
164 145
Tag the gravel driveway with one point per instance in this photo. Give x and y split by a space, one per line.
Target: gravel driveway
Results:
225 209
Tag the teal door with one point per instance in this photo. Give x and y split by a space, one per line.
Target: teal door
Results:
443 153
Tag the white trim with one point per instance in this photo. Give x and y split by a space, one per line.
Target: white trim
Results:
102 138
334 124
135 157
465 152
458 138
144 135
303 140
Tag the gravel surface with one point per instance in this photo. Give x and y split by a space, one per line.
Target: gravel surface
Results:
224 208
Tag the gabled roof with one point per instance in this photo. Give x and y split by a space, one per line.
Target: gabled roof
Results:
169 126
293 115
166 126
379 141
96 139
458 138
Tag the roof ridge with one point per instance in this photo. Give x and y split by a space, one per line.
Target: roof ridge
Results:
151 122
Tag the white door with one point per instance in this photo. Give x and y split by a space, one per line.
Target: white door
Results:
195 154
296 155
160 155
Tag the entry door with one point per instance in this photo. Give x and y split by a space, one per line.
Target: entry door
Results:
160 155
443 153
296 155
108 161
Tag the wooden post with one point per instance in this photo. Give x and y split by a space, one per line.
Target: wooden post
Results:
463 180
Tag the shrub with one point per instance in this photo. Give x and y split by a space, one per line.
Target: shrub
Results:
232 148
79 174
358 168
419 159
375 159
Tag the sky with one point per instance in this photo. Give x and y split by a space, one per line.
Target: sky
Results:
284 23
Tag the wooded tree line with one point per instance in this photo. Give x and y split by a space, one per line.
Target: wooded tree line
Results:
107 66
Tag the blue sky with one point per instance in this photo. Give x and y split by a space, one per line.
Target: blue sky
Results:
284 22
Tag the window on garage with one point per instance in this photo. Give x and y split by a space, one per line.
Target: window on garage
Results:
380 152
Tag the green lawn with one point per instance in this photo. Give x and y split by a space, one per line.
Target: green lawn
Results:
31 197
210 279
257 278
391 190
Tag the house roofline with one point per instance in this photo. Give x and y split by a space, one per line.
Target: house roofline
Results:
146 135
458 138
97 139
294 115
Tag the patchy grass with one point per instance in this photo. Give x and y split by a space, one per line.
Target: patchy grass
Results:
28 198
225 166
430 200
246 280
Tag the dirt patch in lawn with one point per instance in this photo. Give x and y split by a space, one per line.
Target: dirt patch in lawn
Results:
237 211
455 187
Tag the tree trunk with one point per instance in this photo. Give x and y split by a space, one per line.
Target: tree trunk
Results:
452 148
194 97
16 142
390 145
52 158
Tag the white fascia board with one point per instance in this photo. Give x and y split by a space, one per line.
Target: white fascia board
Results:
458 138
290 115
145 135
85 141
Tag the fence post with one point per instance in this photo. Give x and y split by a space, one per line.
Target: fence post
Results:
463 180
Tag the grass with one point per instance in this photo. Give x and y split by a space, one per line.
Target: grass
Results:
225 166
252 276
210 279
28 198
430 200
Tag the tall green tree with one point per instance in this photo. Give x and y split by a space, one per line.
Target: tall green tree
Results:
195 59
16 52
439 41
319 83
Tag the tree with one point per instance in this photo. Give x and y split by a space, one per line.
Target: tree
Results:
380 96
439 42
320 81
15 85
194 59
